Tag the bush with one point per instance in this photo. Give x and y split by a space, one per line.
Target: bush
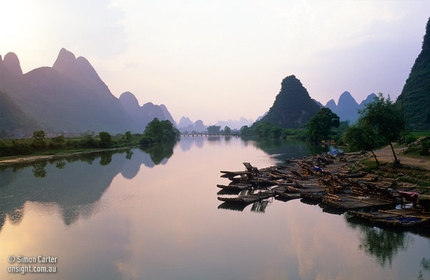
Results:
105 139
425 146
146 141
409 139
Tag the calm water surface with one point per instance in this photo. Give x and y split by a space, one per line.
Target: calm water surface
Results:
155 215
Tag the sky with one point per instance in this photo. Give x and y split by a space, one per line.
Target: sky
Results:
224 59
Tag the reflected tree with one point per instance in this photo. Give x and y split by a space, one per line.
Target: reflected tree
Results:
380 243
425 264
39 169
105 159
70 215
16 215
60 164
291 148
128 154
2 220
160 151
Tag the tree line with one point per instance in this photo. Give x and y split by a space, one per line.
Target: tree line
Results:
156 132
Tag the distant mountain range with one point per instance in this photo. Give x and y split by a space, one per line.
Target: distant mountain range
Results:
347 108
67 97
186 125
71 97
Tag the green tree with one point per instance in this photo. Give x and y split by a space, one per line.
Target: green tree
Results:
275 132
262 129
38 139
105 139
227 130
128 137
58 142
158 132
320 126
214 129
385 119
359 137
245 131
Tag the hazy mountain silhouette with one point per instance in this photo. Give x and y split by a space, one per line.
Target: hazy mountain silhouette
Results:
70 96
347 107
293 107
142 115
415 96
12 117
235 124
186 125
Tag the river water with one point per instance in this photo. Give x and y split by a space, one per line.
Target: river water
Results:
155 215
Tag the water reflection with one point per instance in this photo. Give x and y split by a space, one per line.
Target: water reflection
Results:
162 222
160 153
282 149
425 265
74 183
258 206
380 243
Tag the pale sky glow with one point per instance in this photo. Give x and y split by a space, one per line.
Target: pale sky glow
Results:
224 59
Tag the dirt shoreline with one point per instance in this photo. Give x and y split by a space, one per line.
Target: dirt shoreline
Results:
29 159
386 155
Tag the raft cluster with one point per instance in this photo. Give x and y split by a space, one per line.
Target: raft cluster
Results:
327 180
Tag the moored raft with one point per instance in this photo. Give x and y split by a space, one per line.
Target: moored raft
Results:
248 196
338 186
396 218
352 202
235 187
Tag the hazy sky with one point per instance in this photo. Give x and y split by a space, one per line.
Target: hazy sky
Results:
223 59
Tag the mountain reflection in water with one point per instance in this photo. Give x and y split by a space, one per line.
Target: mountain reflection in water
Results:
73 186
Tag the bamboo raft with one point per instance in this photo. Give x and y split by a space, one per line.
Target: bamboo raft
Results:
248 196
397 218
353 202
318 180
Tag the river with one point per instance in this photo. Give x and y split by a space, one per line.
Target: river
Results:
154 214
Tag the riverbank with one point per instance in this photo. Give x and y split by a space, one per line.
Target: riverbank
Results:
35 158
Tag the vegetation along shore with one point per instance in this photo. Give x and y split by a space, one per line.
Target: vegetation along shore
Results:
40 147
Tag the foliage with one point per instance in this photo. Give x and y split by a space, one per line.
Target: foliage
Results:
380 123
425 146
105 139
245 131
159 152
320 126
214 129
159 132
128 137
227 130
338 132
385 119
360 137
38 139
267 130
58 142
